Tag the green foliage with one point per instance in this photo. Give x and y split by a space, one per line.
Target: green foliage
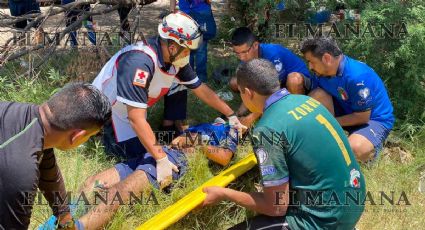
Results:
24 90
35 90
399 61
257 15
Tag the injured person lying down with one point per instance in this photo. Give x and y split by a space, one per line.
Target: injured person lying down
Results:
217 141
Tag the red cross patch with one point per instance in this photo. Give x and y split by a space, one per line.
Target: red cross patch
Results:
140 78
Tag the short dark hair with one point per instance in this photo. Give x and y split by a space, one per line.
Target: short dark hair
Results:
259 75
78 105
318 46
243 35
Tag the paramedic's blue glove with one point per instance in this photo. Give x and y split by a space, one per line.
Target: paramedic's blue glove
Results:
51 224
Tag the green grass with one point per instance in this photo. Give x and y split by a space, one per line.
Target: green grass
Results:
386 175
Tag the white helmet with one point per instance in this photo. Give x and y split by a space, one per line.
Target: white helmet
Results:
182 29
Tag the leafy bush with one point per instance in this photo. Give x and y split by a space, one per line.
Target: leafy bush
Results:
257 15
399 62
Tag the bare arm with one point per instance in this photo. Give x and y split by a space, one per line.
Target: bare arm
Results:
357 118
51 182
219 155
140 125
52 185
273 201
249 119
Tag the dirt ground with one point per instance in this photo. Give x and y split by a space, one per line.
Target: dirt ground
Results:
110 22
87 63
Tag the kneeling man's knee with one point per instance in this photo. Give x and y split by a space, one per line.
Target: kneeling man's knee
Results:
233 84
295 83
362 147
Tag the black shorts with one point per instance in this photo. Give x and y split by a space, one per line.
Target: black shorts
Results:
124 150
175 106
263 222
310 84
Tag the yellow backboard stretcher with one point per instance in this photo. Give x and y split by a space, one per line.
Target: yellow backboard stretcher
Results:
181 208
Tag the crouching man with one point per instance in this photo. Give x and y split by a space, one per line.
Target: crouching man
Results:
353 93
300 156
28 134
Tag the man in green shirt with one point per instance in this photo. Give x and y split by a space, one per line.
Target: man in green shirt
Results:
310 177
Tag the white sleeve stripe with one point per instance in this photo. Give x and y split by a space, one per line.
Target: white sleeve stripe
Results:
132 103
189 82
275 182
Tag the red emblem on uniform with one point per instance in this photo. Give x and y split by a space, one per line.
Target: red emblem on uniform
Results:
356 183
140 78
180 30
354 178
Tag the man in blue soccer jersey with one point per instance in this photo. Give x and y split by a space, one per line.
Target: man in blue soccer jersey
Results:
353 92
293 73
219 142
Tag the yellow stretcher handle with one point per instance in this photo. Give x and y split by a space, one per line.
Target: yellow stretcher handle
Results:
181 208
